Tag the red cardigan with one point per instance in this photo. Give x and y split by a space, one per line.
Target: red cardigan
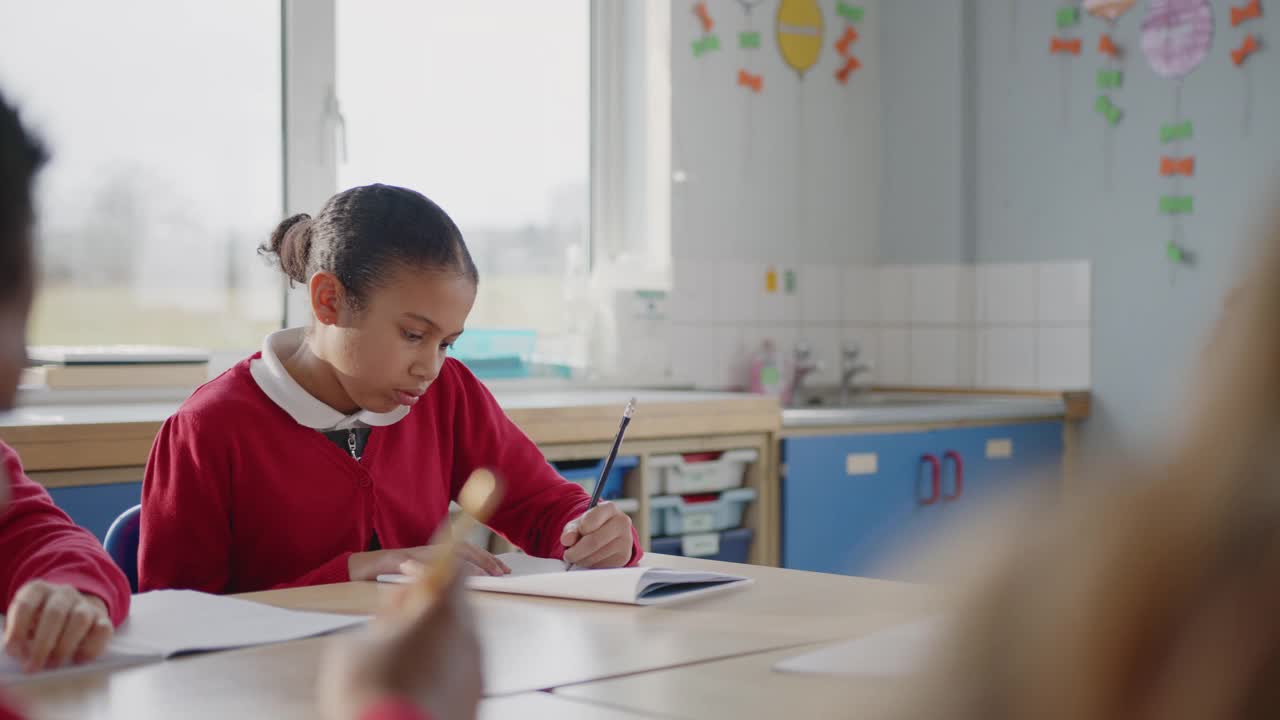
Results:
239 497
39 542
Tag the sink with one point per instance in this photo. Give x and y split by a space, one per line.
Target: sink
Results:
877 399
872 408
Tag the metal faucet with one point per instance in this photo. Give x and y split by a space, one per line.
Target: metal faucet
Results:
849 369
803 364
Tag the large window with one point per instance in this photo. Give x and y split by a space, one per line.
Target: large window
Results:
485 108
164 120
182 131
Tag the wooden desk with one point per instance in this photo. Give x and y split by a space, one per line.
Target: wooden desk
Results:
530 643
743 688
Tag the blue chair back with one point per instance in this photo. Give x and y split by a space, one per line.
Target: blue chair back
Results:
122 543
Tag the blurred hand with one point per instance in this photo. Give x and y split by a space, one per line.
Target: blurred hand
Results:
472 561
48 626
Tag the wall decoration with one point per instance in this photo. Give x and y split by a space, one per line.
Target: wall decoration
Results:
708 41
1176 35
1176 38
1249 45
1065 45
844 45
749 39
799 29
1110 78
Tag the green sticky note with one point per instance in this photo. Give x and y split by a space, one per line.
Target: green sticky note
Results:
1176 204
1174 253
705 44
749 40
1068 17
852 13
1109 79
1176 131
789 282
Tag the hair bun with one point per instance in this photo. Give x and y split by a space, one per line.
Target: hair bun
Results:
290 243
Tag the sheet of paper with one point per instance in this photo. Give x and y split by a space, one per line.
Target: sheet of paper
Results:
892 652
11 670
169 622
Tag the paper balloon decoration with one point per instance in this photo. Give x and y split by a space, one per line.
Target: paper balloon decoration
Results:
1109 10
799 33
1176 35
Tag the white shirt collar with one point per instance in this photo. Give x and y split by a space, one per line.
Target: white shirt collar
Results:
270 374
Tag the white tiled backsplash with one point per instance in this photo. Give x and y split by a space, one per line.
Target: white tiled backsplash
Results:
999 326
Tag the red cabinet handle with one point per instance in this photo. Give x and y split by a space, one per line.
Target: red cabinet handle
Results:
954 457
936 479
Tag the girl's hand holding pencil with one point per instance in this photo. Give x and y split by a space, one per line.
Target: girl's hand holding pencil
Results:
601 538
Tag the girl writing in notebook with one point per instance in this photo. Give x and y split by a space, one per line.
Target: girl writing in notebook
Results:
332 454
62 595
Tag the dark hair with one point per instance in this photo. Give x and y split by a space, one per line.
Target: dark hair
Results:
362 234
21 155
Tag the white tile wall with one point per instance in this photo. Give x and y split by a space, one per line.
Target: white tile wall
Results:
1064 296
1063 358
693 356
895 295
1007 358
893 363
735 292
780 307
729 353
1007 294
692 294
941 295
821 301
860 289
941 357
1003 325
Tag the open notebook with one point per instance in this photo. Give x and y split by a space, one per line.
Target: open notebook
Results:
630 586
167 623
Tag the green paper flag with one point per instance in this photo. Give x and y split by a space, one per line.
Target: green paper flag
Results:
749 40
1068 17
705 44
1174 253
1176 204
852 13
1175 131
789 282
1108 79
1108 109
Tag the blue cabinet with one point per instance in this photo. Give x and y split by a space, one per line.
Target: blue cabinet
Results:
852 503
95 507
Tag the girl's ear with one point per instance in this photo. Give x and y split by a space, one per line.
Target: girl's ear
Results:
327 295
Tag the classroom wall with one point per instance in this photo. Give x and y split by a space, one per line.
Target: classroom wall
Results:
1041 192
787 178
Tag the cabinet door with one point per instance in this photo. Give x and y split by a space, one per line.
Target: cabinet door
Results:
852 503
95 507
995 461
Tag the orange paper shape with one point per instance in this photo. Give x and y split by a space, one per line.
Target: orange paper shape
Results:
1252 11
703 16
849 67
849 37
1108 47
755 82
1170 166
1060 45
1247 48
